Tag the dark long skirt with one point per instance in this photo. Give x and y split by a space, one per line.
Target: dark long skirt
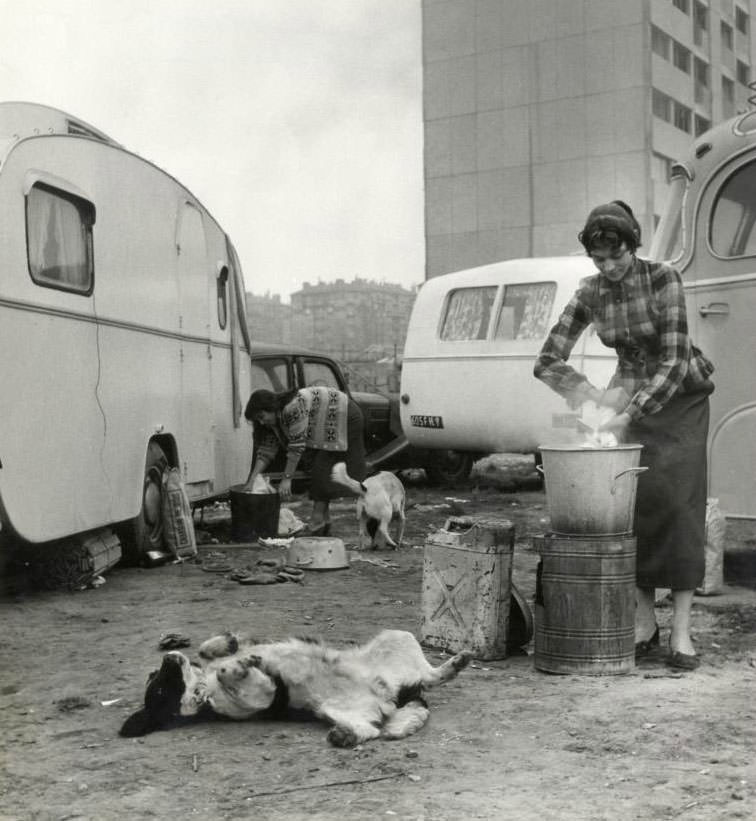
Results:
321 486
670 512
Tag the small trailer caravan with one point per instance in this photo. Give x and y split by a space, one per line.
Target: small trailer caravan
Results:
123 331
473 337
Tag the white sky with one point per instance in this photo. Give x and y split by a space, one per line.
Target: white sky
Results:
297 123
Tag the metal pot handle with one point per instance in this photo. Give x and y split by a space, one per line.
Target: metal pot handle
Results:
613 490
539 468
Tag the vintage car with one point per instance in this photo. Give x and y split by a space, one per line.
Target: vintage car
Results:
279 367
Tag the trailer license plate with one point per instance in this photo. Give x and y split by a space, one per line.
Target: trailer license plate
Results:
421 421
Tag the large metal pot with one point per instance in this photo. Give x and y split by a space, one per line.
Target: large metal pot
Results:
318 553
591 491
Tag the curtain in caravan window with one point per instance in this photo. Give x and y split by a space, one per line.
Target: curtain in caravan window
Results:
59 236
468 313
525 311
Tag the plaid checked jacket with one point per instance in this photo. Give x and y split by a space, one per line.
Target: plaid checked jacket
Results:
643 318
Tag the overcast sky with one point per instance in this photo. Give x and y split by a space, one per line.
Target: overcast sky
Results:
297 123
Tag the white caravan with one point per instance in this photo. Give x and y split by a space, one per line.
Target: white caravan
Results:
123 331
473 337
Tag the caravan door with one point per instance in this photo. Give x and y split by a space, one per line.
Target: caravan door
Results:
196 455
722 299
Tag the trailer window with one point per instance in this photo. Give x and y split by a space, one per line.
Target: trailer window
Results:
525 311
733 217
468 312
222 297
59 239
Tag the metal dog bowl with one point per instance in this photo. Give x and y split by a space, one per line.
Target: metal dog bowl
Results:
318 553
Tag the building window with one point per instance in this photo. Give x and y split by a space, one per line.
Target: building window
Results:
701 125
728 97
744 72
701 72
681 57
741 20
661 105
683 5
726 35
59 239
660 42
700 16
683 117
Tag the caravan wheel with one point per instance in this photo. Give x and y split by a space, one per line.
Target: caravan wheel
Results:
145 531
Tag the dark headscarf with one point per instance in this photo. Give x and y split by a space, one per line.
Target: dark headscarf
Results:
610 225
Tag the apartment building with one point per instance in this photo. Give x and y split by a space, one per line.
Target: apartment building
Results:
536 110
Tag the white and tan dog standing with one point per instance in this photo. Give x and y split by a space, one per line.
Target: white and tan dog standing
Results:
380 499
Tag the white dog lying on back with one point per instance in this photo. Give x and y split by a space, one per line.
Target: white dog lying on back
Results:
380 499
370 691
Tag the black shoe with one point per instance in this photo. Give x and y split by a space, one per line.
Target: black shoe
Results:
322 529
645 648
683 661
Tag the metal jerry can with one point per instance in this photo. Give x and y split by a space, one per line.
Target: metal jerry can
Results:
467 579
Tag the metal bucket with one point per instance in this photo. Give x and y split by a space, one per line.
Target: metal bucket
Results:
591 491
253 515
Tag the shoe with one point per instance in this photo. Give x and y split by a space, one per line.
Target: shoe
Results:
322 529
645 648
683 661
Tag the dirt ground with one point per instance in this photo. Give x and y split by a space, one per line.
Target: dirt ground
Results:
503 740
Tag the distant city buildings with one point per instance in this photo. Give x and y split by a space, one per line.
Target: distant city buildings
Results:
537 110
353 321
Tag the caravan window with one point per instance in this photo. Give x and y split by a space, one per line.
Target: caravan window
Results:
468 312
526 311
733 217
59 239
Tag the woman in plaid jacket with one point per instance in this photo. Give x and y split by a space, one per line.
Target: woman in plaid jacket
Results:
660 395
324 421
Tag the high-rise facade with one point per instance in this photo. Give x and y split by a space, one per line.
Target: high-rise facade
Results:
536 110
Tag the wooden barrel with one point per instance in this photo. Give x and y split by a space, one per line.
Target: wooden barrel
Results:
585 605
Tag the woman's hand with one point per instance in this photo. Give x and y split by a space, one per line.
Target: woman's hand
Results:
617 424
284 489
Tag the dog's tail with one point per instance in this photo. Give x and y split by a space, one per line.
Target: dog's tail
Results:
341 477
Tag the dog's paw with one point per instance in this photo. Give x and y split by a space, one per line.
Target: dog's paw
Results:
219 646
341 736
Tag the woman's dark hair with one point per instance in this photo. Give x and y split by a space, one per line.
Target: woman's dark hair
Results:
263 400
609 225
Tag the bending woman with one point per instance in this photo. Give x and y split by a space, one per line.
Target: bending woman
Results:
323 420
660 396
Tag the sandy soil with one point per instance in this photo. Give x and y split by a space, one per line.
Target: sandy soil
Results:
503 740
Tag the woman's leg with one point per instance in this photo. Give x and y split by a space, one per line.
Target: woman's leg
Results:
680 640
320 512
645 615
